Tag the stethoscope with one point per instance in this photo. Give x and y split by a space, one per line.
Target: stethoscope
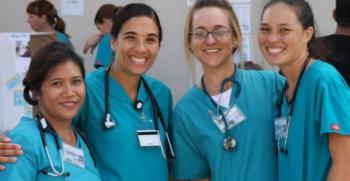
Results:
45 126
284 150
229 142
108 121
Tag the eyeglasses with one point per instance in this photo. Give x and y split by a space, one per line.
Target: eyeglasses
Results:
202 34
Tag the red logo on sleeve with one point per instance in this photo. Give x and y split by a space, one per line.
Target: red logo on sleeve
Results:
335 127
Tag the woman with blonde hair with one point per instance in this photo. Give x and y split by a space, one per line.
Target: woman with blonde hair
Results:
223 129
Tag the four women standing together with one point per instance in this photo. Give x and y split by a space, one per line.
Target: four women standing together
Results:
225 128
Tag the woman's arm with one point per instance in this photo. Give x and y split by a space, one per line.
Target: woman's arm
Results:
8 151
339 146
206 179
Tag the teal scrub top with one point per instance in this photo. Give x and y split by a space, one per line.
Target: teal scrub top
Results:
104 54
35 160
118 153
63 38
322 106
198 142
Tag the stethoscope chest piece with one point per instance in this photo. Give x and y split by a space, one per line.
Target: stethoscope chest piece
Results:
229 143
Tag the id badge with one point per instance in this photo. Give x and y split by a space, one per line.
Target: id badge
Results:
219 123
148 138
234 116
280 128
73 155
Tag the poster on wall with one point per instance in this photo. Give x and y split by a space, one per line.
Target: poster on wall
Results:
190 3
15 60
72 7
21 52
246 50
243 14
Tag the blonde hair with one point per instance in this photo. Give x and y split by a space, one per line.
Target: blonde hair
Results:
233 21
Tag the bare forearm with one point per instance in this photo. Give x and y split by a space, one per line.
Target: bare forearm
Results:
206 179
339 172
339 147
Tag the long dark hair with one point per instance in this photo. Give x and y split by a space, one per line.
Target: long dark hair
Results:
44 7
43 62
305 16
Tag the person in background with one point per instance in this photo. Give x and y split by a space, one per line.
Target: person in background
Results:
126 113
223 130
313 125
250 65
103 21
53 149
43 17
338 44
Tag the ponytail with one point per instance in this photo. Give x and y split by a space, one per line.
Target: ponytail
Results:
60 25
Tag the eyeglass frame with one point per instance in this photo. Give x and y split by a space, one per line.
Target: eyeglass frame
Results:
215 36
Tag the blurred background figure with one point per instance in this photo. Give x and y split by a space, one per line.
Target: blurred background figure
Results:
43 17
338 43
103 21
250 65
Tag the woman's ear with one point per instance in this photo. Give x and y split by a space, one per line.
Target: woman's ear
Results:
35 95
309 32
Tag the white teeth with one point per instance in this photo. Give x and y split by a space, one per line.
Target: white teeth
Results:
275 50
68 104
211 50
138 60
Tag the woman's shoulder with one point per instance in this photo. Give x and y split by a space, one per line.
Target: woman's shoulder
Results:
191 96
261 74
26 131
325 72
155 84
262 78
95 76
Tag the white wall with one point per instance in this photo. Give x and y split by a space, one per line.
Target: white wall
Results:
170 66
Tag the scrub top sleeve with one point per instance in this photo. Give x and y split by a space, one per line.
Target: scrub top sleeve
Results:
278 91
334 110
188 163
26 166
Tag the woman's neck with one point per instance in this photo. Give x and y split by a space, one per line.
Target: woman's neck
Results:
213 77
129 82
292 71
47 28
63 128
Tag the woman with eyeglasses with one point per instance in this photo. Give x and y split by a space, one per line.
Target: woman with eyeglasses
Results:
313 126
223 128
53 149
43 17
